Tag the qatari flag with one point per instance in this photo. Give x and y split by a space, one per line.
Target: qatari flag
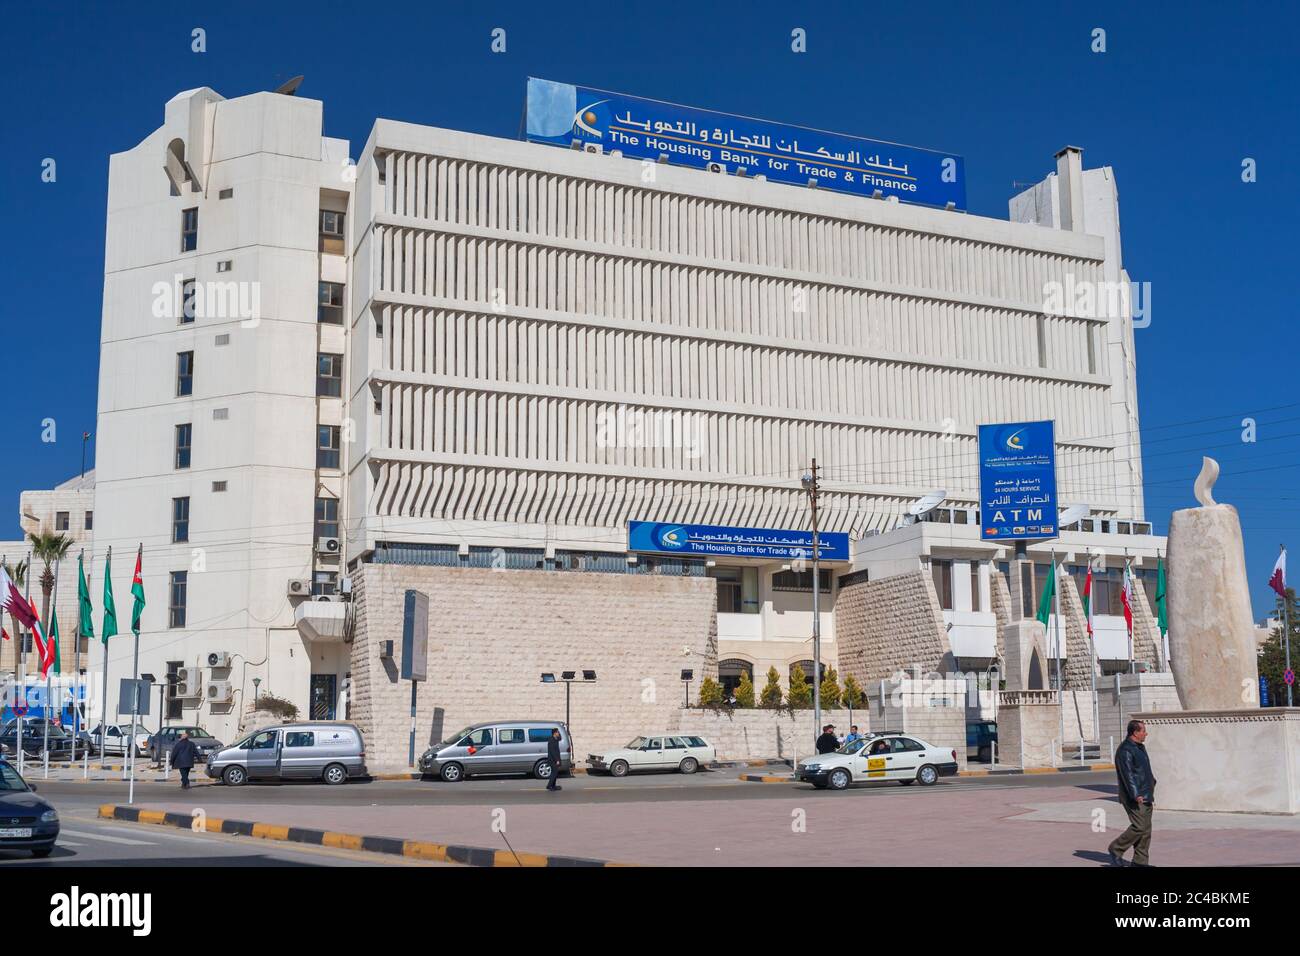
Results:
1278 580
13 602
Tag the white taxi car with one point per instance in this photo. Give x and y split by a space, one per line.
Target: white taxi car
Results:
900 757
682 752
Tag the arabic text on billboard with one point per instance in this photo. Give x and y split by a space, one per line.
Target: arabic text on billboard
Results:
560 114
1017 481
714 541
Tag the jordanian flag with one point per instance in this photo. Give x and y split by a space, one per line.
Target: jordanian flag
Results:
84 626
110 609
137 591
1049 594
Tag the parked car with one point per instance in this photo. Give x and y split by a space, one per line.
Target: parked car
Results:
34 738
900 757
118 739
310 750
161 743
681 752
503 746
981 735
26 821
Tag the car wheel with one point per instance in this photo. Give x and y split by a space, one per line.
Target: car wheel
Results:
452 773
234 776
42 852
928 776
689 765
839 779
618 768
336 773
542 770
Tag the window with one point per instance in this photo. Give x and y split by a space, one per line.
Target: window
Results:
61 521
330 304
223 338
327 446
187 301
218 486
324 582
225 265
730 672
176 599
329 375
90 521
1089 332
697 742
674 743
942 573
1042 341
974 585
220 414
331 223
263 741
479 738
512 735
189 229
327 518
299 738
173 702
801 581
184 373
539 735
737 589
183 436
1028 606
226 193
180 520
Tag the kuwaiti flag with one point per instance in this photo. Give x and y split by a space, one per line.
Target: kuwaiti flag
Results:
1278 579
11 600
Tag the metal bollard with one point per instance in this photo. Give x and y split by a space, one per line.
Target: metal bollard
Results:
85 764
993 754
45 759
167 766
1081 751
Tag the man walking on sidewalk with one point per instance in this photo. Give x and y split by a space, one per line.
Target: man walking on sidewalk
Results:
1137 790
183 754
553 758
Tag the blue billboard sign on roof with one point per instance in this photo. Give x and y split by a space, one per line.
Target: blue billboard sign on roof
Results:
1018 481
562 114
702 540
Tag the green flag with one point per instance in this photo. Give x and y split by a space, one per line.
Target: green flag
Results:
110 609
85 628
1162 606
137 591
1049 594
54 640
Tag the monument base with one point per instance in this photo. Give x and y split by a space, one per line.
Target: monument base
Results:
1232 761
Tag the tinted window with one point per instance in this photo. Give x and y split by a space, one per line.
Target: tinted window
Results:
654 743
675 743
539 734
512 735
299 738
696 741
264 741
905 743
480 738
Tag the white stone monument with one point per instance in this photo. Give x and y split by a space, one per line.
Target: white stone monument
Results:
1223 751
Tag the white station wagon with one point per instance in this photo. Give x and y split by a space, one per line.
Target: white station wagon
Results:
682 752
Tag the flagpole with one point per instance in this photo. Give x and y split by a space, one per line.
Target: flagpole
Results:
76 659
54 599
135 676
1060 686
22 678
1092 669
103 724
1286 627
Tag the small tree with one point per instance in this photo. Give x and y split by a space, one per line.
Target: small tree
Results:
745 691
1272 654
853 695
710 693
800 694
771 696
830 689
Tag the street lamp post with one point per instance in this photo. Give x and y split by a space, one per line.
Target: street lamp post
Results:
568 677
810 485
257 682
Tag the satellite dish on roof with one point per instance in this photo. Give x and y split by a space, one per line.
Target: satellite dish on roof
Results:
928 503
1072 514
291 87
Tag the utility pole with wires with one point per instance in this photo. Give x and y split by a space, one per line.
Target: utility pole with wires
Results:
810 484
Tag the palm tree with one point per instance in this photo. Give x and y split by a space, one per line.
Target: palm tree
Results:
49 548
18 574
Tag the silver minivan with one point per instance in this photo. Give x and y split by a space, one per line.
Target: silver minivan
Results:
314 750
502 746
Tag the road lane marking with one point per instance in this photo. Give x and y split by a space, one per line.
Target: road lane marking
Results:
108 839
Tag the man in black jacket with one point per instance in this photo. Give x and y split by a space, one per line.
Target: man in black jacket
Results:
183 755
1137 790
553 758
828 743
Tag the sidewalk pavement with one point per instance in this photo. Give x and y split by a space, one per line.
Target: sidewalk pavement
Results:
958 825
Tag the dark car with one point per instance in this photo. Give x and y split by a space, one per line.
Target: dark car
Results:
26 821
34 738
981 735
161 743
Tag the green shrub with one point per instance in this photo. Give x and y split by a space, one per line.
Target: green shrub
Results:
830 689
853 695
278 706
710 693
771 696
745 691
800 693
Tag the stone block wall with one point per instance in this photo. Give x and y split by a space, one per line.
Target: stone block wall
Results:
889 625
934 710
1028 730
492 633
763 734
1122 696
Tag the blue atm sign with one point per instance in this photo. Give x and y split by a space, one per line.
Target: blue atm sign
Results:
1017 481
562 114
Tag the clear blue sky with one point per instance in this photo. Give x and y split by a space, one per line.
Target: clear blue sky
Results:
1182 95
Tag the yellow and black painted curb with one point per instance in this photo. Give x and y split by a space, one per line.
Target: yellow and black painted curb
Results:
1090 768
393 846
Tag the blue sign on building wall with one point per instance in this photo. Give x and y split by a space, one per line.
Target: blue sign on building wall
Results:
702 540
1018 481
560 113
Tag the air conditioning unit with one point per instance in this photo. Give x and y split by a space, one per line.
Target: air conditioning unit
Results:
187 682
716 167
328 546
219 659
299 587
327 597
219 692
592 148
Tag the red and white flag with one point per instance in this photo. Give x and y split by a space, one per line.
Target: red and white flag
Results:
1277 581
12 600
1126 597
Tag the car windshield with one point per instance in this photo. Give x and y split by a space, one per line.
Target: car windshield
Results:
636 743
10 782
457 736
853 746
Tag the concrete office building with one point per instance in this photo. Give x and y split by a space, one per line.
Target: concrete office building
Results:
476 356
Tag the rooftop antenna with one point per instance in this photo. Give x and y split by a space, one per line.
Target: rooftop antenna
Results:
291 87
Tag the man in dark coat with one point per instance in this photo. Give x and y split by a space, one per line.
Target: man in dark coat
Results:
828 743
1137 791
184 754
553 758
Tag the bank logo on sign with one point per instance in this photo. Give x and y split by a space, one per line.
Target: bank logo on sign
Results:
586 119
1015 442
673 538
